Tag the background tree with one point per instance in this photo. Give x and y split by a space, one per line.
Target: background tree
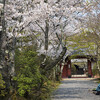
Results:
92 25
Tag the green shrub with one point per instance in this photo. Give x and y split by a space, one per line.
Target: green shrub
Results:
32 84
28 74
2 87
95 71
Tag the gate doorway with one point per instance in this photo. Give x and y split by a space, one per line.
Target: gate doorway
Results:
79 68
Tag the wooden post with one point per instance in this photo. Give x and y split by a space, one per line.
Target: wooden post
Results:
89 69
64 71
69 68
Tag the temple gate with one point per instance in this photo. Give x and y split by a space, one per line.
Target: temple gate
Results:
66 72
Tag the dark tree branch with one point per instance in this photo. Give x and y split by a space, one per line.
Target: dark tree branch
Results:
54 62
59 40
46 1
40 27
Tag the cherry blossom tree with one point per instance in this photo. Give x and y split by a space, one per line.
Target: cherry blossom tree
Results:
45 18
49 21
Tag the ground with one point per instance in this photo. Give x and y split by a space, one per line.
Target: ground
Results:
76 89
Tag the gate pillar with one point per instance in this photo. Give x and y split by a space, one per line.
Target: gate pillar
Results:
64 71
89 69
69 69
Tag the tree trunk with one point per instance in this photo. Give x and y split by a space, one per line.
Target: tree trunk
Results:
46 34
54 62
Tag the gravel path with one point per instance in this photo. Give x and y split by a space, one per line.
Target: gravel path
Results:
76 89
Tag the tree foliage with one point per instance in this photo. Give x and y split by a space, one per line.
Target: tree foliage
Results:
81 44
28 70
